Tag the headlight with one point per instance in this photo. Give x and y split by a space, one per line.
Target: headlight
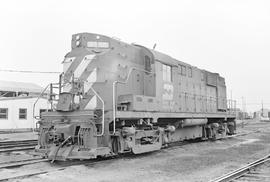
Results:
78 43
78 37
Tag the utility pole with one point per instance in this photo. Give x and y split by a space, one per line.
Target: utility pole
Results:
245 108
242 108
231 103
262 109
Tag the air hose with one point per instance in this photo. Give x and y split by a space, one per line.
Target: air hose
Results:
61 145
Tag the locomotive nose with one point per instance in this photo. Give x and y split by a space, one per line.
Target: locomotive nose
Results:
95 43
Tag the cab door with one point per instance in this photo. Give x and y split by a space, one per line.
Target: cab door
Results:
149 77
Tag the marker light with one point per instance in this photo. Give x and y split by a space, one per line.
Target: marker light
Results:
78 37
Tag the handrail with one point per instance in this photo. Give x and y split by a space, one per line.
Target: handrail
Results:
123 82
34 107
102 101
103 111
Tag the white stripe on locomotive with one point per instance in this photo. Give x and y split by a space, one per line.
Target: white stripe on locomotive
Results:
90 80
92 104
67 63
83 65
79 71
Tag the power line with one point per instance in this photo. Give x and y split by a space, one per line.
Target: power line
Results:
255 103
24 71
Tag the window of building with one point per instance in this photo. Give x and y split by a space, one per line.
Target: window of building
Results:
3 113
189 72
167 73
183 70
23 93
22 113
7 94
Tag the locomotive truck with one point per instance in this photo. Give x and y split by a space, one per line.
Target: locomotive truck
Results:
114 98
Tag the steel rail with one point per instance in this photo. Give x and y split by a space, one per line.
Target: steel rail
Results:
45 171
17 149
19 145
241 171
16 141
21 162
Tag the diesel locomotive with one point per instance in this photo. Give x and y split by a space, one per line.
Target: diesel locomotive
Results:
114 98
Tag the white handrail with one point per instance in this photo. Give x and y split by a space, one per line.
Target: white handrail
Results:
103 107
103 111
34 107
123 82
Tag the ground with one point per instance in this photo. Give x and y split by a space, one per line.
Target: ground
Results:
193 162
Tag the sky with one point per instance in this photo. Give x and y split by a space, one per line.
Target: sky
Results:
230 37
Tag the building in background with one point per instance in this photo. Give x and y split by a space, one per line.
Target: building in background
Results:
17 101
263 115
240 115
15 89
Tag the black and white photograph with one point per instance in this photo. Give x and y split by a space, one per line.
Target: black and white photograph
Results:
135 91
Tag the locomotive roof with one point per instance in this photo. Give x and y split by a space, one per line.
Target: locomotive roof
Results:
166 59
158 56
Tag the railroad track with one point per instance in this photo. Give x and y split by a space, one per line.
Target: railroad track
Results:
58 167
258 170
63 165
11 164
10 146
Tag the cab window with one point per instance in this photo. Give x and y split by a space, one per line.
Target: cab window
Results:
167 73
